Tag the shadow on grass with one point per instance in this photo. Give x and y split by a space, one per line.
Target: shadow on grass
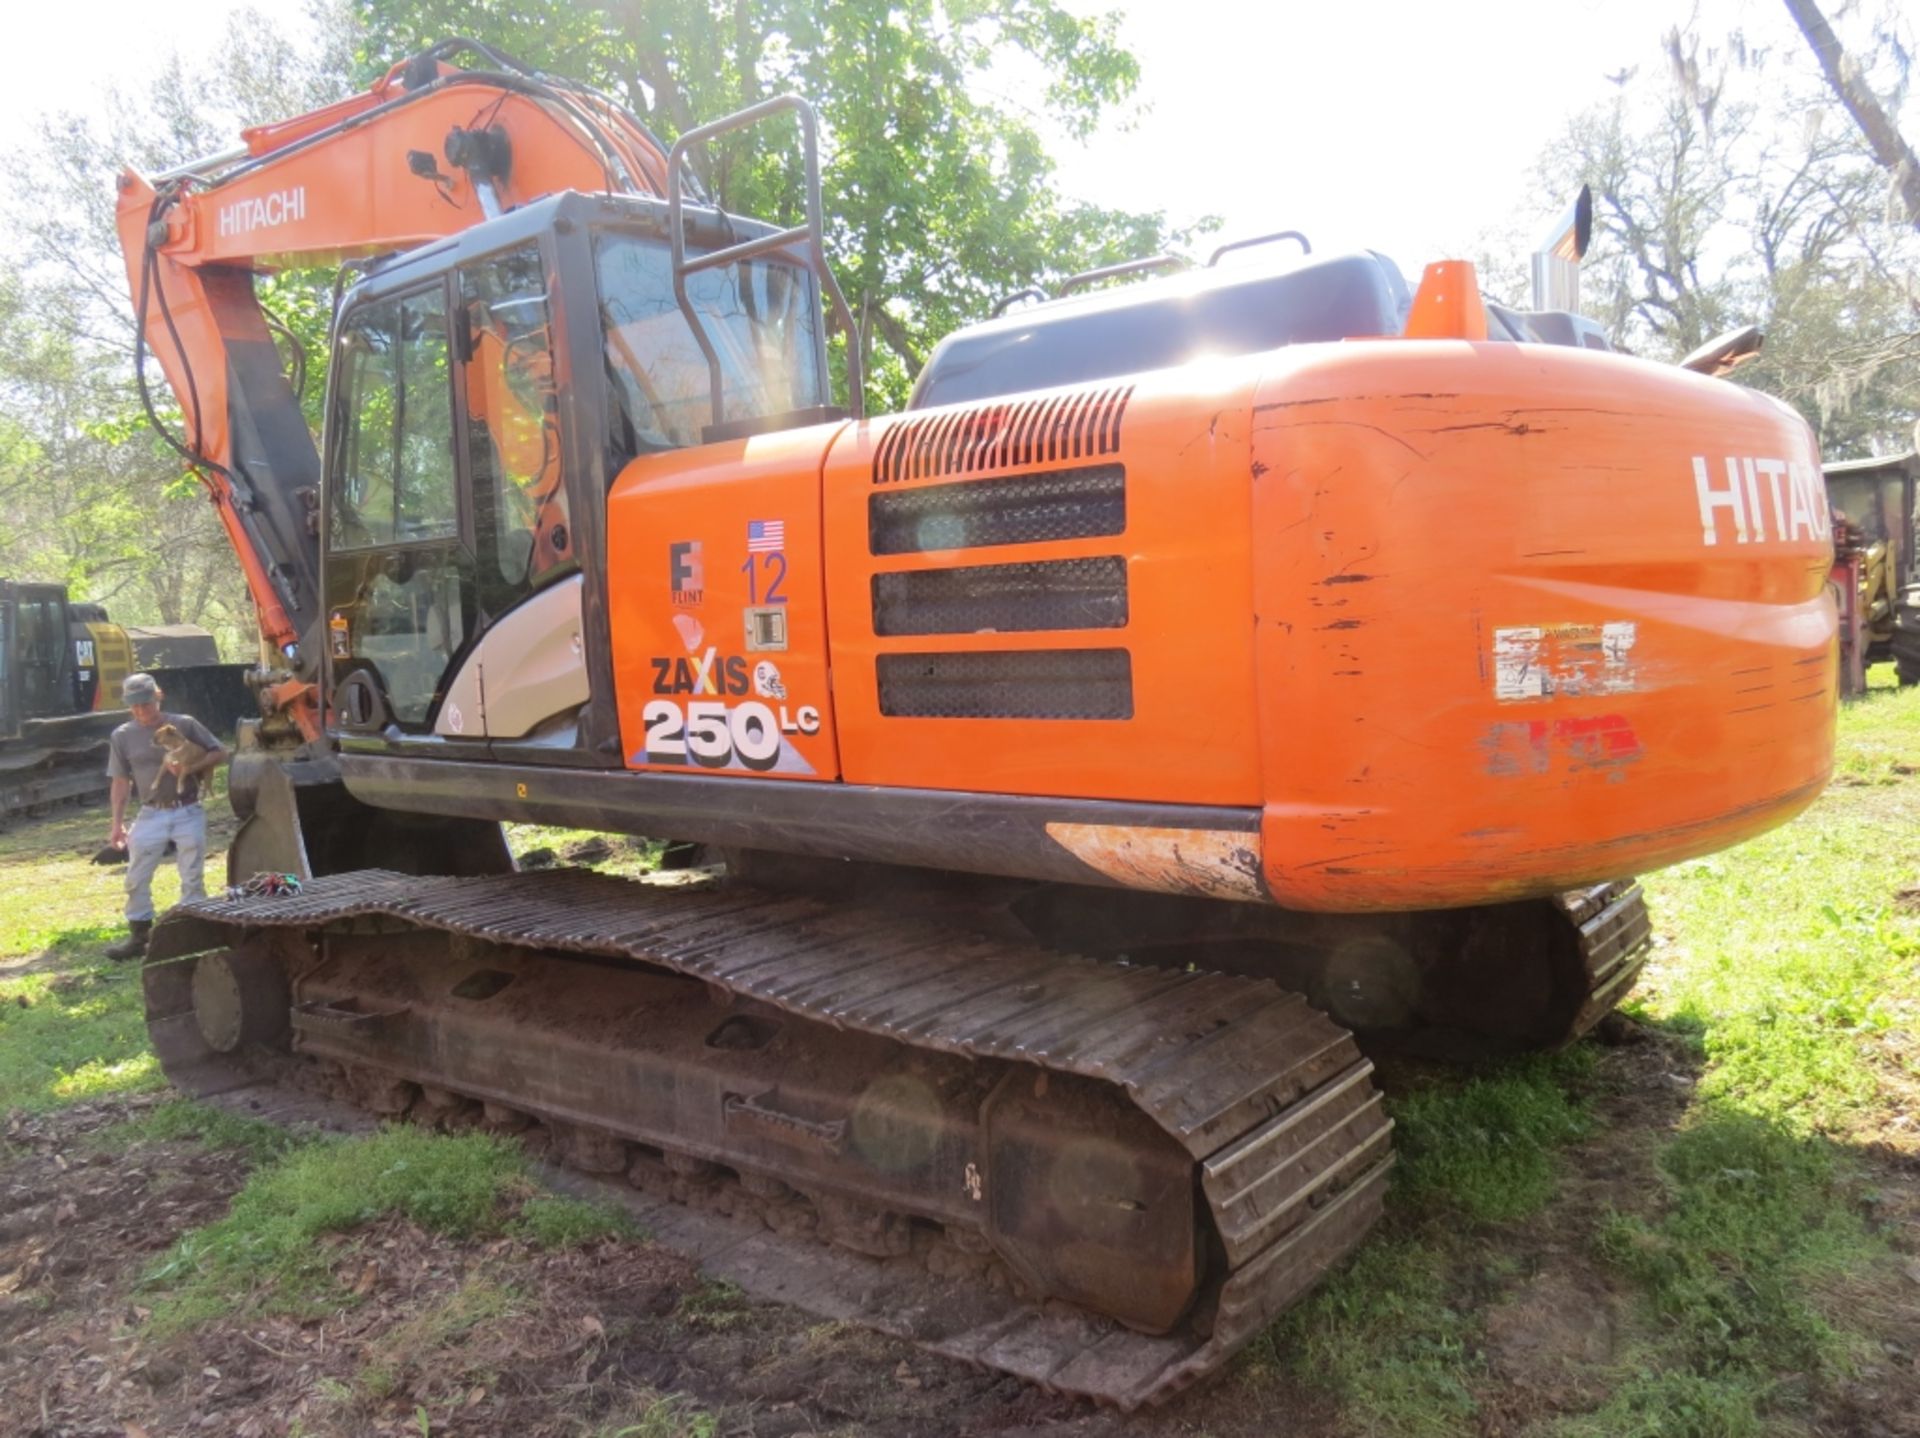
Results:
72 1026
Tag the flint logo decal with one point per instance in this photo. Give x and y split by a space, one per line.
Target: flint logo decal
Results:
1761 500
686 571
1541 661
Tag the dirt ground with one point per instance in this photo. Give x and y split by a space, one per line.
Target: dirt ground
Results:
626 1338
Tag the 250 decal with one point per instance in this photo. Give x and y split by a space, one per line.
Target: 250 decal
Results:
722 736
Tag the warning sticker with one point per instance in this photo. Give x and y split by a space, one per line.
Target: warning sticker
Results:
1545 660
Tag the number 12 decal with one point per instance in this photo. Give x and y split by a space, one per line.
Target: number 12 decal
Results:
773 567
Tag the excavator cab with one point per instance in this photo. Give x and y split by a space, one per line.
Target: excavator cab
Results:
485 392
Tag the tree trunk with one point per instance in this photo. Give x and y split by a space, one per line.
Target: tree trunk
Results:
1889 146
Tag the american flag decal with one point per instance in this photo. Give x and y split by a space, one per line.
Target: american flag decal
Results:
766 536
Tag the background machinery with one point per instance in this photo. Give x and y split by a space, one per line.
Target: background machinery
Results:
61 663
1878 541
1198 672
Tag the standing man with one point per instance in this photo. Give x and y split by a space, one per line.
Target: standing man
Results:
168 780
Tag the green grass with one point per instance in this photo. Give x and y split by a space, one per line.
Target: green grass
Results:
1389 1334
1484 1149
551 1221
74 1029
627 856
1384 1336
715 1304
184 1121
1791 976
276 1250
662 1418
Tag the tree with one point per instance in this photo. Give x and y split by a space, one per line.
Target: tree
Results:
938 200
1727 192
91 494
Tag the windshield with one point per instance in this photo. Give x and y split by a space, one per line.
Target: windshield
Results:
760 315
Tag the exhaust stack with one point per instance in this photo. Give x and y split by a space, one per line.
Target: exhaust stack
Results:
1556 264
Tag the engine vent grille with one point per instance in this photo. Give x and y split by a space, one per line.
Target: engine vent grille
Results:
1008 684
1086 593
1082 425
1021 509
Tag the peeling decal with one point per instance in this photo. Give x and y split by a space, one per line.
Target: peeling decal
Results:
1546 660
766 680
1606 743
1216 863
689 630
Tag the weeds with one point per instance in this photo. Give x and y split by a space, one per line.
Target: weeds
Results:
662 1418
425 1346
183 1121
269 1252
551 1221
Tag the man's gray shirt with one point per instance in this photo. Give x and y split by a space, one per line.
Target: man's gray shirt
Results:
133 754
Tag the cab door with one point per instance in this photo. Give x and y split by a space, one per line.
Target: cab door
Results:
402 602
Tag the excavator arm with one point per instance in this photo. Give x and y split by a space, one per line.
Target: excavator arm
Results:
429 150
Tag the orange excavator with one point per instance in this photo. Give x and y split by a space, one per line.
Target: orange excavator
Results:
1198 673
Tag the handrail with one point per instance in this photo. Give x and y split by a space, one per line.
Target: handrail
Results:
1125 267
1031 292
1306 246
811 235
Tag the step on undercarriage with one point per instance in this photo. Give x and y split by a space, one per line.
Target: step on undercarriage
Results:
1115 1174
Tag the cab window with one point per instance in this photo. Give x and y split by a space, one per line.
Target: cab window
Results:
395 481
513 429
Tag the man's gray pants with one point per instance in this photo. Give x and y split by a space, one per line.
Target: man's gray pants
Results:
147 843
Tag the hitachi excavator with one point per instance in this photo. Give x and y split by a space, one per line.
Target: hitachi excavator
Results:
1200 672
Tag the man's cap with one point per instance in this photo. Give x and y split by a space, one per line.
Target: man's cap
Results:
139 689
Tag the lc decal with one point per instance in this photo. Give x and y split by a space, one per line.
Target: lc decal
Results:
716 735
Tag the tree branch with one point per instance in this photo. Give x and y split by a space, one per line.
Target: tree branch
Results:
1889 146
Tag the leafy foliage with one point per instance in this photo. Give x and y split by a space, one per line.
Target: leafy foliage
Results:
939 201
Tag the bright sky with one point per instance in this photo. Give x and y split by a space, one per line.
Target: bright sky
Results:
1402 125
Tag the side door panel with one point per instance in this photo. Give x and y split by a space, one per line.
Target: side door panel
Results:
402 599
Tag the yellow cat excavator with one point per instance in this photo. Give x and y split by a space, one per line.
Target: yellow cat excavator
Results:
1199 672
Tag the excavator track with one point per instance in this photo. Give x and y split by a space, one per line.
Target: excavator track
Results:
1121 1173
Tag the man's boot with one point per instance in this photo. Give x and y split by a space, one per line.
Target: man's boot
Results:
134 945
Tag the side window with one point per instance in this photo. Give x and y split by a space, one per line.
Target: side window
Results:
395 478
513 433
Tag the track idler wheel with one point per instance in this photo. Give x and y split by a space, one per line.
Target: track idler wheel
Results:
219 1021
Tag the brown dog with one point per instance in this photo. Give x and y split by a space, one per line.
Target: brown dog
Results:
182 755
